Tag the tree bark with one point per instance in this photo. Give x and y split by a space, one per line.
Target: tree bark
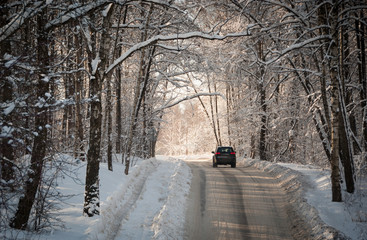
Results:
118 88
118 110
25 204
228 105
91 197
79 136
263 106
262 141
109 125
335 104
6 95
346 144
362 74
217 114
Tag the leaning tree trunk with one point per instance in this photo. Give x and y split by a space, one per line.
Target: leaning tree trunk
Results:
140 95
142 79
212 123
25 204
215 127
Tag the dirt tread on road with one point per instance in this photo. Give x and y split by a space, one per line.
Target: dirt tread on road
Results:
241 203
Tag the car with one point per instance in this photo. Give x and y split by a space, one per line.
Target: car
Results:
224 156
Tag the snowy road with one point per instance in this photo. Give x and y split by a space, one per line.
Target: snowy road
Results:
165 198
240 203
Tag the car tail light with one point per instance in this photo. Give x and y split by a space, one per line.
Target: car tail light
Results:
217 153
233 152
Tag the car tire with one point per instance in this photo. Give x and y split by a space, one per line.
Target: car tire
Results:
233 165
214 164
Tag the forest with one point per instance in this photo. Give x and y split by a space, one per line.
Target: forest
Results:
280 80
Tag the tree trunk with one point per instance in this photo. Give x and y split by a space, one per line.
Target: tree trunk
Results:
140 95
360 38
109 126
335 103
217 137
79 136
6 96
25 204
262 141
142 79
318 118
228 101
346 145
70 94
212 123
217 114
328 14
91 197
118 88
118 110
253 147
263 106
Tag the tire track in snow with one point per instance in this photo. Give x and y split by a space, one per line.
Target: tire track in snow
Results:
121 203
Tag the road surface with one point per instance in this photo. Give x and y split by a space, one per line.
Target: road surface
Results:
235 203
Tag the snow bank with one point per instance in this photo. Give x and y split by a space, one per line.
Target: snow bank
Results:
120 203
169 223
307 223
149 205
150 202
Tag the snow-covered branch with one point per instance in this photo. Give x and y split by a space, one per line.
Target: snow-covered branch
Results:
289 9
76 12
294 47
189 98
19 19
181 36
73 12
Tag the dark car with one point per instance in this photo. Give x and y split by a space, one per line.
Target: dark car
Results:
224 156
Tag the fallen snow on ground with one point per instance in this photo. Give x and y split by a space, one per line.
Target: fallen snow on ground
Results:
349 216
150 202
311 197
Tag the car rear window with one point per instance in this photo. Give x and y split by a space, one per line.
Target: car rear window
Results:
225 150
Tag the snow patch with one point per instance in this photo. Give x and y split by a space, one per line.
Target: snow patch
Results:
95 63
